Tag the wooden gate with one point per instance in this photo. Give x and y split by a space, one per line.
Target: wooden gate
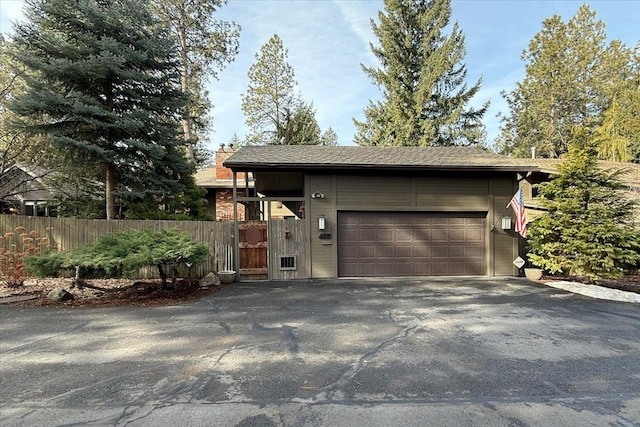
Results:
253 250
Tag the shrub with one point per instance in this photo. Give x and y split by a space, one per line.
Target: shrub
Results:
17 246
125 253
587 226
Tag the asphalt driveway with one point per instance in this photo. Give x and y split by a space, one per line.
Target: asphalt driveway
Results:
474 352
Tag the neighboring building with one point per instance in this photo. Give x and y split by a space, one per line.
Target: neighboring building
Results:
630 176
218 181
23 191
373 211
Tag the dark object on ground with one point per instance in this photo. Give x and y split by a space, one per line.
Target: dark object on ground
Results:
60 295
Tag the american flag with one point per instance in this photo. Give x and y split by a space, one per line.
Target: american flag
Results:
517 203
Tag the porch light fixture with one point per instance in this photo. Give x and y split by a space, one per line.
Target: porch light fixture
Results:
321 223
317 195
506 223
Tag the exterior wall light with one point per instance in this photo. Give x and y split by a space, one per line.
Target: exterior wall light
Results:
506 223
317 195
321 223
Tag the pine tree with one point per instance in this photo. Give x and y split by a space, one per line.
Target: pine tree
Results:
205 45
273 111
587 225
572 77
422 77
270 93
104 86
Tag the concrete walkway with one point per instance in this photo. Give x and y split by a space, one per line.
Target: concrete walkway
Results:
594 291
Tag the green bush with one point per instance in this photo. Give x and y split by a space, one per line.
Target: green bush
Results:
124 254
587 225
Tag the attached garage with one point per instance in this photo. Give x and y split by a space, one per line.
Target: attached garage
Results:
391 211
411 244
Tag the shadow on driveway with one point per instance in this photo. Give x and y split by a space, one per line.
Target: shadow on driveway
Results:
433 351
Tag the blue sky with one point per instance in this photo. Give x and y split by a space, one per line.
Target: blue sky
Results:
327 41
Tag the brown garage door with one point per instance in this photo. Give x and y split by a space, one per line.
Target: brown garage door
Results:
411 244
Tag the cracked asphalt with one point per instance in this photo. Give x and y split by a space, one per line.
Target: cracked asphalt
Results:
436 351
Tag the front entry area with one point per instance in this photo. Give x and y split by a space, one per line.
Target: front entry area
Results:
383 244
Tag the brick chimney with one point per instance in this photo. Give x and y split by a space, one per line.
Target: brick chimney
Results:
221 156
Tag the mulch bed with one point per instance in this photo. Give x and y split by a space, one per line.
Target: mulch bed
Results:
107 293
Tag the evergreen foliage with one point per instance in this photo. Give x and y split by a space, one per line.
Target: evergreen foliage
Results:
274 113
104 88
573 79
587 227
124 254
422 77
15 146
205 45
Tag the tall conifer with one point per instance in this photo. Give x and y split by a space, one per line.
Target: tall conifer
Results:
104 86
587 225
422 77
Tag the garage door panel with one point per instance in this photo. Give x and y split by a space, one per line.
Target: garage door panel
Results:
422 269
440 235
386 235
404 251
404 235
366 251
475 235
457 235
457 251
474 252
415 243
439 251
439 268
366 235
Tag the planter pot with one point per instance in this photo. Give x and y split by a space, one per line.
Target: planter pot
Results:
533 273
226 277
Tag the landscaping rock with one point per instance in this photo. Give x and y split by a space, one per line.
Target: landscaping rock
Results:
209 280
60 295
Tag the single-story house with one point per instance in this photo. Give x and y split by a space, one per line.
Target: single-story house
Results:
379 211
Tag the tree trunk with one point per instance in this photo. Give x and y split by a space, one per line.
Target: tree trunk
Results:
110 187
184 83
163 275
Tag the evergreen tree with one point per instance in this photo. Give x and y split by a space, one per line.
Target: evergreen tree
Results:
422 77
572 76
273 111
205 45
587 225
270 93
104 87
299 126
329 137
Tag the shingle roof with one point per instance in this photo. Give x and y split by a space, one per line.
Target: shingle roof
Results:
347 157
206 177
630 172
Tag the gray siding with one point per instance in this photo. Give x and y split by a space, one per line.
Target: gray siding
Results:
322 251
505 243
487 194
453 194
373 191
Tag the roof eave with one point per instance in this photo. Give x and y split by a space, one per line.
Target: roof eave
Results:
245 167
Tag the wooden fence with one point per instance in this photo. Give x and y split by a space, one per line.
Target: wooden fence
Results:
70 233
